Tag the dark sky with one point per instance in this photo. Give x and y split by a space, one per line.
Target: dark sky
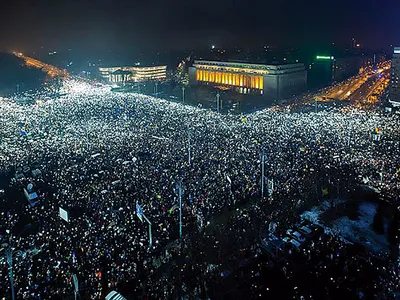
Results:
98 26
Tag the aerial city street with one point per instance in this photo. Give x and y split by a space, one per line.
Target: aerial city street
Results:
164 151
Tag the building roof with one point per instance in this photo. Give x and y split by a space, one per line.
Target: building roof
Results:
247 65
121 72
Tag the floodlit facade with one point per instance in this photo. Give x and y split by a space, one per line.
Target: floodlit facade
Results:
274 80
133 74
394 87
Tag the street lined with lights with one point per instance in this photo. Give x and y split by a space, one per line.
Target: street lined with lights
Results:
52 71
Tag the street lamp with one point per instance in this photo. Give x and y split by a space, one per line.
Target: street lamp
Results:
316 105
139 213
179 188
9 253
156 89
150 235
262 172
189 153
183 94
218 102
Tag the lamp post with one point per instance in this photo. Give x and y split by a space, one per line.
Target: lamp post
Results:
183 94
218 102
9 253
262 172
189 154
316 110
76 285
150 235
139 213
179 187
156 89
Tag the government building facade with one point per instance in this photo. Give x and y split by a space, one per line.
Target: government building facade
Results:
133 74
279 81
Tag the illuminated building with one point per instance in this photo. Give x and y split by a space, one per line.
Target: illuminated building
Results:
133 74
272 80
394 87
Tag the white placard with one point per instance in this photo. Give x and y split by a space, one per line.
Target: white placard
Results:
64 214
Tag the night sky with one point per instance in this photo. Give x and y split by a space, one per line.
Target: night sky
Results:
99 26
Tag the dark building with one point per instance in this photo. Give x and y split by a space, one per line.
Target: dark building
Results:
321 71
394 87
379 58
326 69
349 66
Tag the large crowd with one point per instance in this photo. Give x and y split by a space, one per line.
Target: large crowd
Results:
101 152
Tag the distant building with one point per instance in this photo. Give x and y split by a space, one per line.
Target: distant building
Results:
326 69
378 58
119 76
321 71
277 81
133 74
394 87
348 66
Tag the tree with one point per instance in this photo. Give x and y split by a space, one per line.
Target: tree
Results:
378 222
393 232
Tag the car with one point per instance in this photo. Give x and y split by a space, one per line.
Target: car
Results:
296 235
292 242
113 295
317 230
305 230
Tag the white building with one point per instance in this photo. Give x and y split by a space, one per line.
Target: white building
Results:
278 81
133 74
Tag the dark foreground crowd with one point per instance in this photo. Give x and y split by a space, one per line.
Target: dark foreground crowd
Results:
100 153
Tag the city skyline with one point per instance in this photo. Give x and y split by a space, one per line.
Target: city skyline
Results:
99 27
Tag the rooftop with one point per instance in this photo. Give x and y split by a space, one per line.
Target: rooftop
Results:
121 72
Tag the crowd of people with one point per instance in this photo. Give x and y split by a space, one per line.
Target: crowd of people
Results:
101 153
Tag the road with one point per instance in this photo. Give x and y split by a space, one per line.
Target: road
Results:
369 93
52 71
363 90
343 90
